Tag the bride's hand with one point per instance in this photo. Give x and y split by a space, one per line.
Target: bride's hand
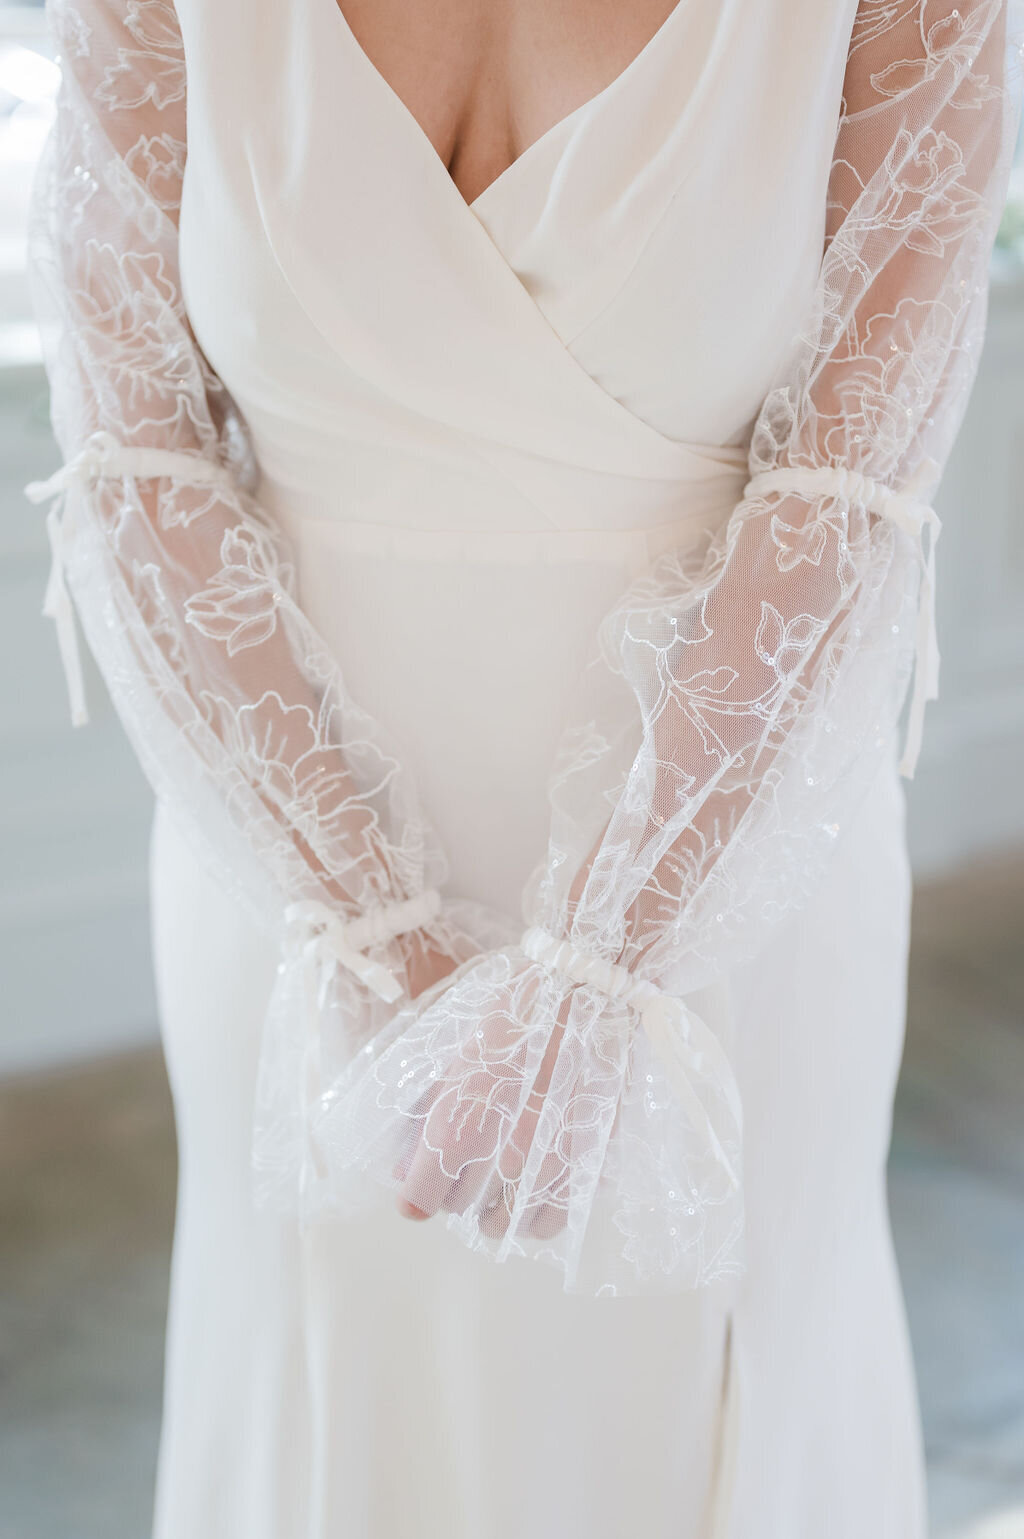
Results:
466 1122
453 1157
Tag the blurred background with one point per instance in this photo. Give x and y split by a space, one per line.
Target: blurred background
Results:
87 1162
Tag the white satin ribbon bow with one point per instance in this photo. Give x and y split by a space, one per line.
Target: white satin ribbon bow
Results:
684 1043
327 941
101 455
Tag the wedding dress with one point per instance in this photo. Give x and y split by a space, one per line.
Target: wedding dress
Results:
607 494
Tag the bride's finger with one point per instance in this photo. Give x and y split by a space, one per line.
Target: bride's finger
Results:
453 1147
547 1222
408 1210
476 1176
548 1215
425 1187
496 1212
413 1129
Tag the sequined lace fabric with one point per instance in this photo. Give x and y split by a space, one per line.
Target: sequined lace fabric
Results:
742 692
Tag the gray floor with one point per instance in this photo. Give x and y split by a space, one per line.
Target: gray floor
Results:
957 1191
87 1170
86 1206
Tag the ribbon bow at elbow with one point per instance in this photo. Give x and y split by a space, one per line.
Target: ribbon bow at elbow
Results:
915 518
100 456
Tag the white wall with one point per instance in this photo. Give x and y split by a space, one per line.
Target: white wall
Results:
966 798
75 811
74 808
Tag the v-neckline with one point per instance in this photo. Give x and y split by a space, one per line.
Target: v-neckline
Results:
536 146
424 305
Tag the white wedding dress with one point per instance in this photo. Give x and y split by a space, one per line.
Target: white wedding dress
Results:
477 423
639 441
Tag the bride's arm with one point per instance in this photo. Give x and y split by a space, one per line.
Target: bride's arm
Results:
232 700
743 699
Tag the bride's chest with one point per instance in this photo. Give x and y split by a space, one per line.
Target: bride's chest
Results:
664 238
485 79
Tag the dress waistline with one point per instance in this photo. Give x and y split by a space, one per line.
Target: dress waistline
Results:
634 549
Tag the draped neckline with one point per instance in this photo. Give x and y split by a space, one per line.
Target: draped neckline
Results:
407 283
543 142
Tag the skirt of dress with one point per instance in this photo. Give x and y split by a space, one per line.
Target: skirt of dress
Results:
374 1380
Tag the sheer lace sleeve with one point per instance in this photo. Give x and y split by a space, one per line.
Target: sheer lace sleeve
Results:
572 1097
233 703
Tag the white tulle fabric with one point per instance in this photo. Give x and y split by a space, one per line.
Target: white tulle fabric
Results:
569 1097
